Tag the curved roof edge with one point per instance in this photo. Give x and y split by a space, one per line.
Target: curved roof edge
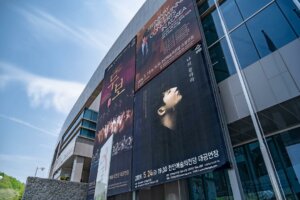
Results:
90 91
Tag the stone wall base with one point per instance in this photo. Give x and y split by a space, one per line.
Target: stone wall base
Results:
49 189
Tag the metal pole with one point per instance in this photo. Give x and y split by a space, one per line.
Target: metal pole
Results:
259 133
36 171
37 168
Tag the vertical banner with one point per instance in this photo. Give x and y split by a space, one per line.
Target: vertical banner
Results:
116 118
167 35
176 127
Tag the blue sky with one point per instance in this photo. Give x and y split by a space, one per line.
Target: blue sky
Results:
48 52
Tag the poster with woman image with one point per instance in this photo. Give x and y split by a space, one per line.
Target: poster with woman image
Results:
176 126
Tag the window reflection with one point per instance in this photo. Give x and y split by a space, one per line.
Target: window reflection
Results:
210 186
249 7
231 14
270 30
284 148
292 13
212 28
203 7
253 173
245 49
288 148
87 133
221 61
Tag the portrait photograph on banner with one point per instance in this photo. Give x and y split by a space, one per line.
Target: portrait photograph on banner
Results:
176 126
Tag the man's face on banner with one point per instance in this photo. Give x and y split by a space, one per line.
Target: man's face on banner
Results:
171 97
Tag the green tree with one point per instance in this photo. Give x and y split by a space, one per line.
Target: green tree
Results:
10 188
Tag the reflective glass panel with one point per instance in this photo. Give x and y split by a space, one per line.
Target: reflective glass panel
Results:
221 61
292 13
87 133
249 7
231 14
270 30
244 47
286 150
212 28
203 7
88 124
254 177
277 155
210 186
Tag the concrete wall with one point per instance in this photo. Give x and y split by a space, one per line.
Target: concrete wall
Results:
84 147
48 189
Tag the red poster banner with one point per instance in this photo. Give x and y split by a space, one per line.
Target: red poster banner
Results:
166 36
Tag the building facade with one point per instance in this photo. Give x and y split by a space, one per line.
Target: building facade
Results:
73 153
252 51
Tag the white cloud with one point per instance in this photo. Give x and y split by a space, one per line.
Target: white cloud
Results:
46 25
27 124
42 91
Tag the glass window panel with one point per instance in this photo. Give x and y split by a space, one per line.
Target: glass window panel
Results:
88 124
245 49
245 173
212 28
211 2
270 30
231 14
254 177
88 114
203 7
87 133
288 149
278 162
209 186
249 7
221 61
95 116
291 12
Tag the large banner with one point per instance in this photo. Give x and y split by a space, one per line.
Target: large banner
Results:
167 35
116 118
177 131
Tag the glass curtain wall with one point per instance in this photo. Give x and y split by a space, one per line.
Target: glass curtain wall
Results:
265 37
210 186
284 148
